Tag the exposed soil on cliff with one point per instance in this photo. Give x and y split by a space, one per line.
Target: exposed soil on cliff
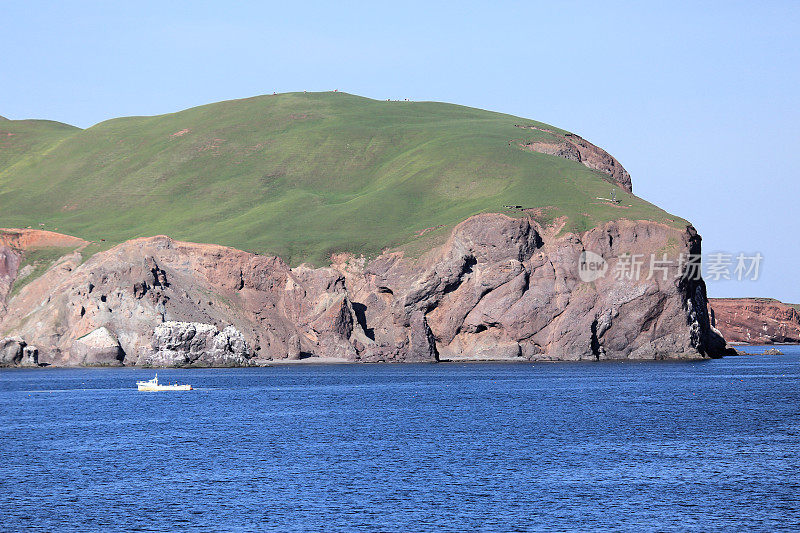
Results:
26 239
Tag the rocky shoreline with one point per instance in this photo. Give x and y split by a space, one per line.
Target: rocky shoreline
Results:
500 289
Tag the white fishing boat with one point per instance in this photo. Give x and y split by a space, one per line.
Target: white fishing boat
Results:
153 385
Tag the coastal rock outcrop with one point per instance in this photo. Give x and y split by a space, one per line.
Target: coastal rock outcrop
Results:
193 343
16 352
11 351
98 348
756 320
500 288
30 356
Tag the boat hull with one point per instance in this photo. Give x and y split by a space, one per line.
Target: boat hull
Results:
158 388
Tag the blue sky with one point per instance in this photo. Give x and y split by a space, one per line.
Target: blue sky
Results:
698 100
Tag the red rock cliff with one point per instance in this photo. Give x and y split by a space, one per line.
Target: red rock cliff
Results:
500 288
756 320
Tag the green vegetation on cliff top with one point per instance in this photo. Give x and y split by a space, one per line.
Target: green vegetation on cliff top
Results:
760 300
298 175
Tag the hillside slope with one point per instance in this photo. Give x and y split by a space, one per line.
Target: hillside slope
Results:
302 176
24 139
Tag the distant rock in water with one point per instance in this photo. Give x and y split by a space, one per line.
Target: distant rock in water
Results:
772 351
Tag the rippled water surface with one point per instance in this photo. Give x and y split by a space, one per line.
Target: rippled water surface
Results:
706 446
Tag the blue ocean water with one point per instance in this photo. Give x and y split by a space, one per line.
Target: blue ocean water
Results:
640 446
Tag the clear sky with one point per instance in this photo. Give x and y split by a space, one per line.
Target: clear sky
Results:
698 100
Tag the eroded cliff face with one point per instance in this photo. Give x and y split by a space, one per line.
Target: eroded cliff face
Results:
756 320
14 242
9 265
500 288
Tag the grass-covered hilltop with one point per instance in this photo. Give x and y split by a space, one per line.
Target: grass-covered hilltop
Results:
300 175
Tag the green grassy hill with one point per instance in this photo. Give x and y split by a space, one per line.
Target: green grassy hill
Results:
21 140
298 175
